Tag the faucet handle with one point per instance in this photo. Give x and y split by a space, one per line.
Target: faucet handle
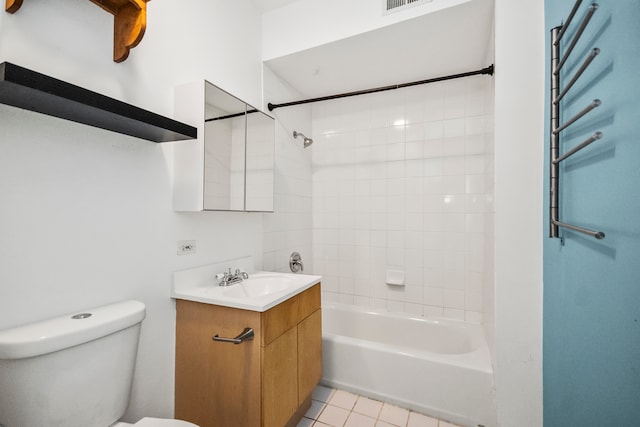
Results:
295 262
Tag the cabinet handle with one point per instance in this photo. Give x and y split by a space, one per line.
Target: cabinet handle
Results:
246 335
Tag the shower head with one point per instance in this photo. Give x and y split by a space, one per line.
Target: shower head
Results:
307 141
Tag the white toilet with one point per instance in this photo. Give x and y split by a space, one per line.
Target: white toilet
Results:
73 371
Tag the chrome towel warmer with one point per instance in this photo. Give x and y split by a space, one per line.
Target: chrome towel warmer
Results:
557 93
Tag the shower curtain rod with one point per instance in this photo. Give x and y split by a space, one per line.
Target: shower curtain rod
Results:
487 70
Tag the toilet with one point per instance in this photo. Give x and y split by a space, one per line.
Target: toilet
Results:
74 370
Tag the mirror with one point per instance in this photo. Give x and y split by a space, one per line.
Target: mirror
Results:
239 145
260 160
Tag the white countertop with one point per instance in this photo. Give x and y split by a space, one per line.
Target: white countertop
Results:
262 291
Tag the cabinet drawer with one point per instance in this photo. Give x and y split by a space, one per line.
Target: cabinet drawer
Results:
288 314
279 319
309 302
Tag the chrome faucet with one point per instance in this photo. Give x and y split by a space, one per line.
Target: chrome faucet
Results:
229 278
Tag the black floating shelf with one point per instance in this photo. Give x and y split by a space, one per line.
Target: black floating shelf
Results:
23 88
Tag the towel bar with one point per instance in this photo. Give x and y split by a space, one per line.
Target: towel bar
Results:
555 111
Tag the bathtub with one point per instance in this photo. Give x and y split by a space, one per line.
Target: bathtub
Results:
438 367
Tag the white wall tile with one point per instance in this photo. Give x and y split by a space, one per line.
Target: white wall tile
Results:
415 309
433 311
395 256
454 298
473 316
454 127
415 130
433 296
434 222
411 196
452 313
434 130
433 148
454 146
453 165
395 306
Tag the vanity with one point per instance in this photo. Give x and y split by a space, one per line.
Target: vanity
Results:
249 354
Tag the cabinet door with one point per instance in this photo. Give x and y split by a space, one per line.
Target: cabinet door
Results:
279 380
224 150
217 384
309 354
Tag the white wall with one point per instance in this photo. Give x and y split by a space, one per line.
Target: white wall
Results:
402 180
288 229
519 111
86 215
489 290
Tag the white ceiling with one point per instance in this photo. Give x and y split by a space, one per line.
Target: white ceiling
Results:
453 40
267 5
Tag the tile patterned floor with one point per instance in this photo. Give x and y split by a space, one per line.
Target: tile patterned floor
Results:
338 408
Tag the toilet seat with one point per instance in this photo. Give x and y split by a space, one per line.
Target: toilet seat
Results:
156 422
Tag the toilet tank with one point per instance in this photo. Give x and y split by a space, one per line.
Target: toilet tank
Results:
70 371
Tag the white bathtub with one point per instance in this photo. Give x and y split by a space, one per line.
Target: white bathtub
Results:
438 367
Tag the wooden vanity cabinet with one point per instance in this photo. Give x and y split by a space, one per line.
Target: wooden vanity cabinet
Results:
265 382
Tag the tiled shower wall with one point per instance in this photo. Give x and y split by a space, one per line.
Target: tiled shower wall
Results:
288 228
403 180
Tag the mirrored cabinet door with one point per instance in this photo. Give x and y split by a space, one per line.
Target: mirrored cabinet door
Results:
230 166
259 171
224 151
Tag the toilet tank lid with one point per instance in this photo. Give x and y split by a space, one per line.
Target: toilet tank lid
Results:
62 332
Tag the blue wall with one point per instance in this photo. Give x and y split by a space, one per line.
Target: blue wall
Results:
591 352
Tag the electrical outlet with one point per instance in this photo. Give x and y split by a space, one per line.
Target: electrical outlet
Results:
186 247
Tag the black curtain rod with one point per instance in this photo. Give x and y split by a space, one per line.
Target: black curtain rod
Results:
231 116
488 70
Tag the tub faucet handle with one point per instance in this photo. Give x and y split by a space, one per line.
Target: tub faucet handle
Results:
295 262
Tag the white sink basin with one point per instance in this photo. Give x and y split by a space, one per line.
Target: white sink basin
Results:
258 285
261 291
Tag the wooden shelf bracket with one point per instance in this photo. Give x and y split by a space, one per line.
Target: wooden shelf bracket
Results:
129 22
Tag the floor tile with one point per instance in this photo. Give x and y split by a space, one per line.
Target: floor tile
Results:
419 420
305 422
314 411
368 407
338 408
359 420
322 393
394 415
343 399
334 416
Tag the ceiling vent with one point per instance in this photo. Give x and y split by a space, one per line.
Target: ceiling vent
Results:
389 6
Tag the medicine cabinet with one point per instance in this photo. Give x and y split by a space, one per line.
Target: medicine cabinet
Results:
230 167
